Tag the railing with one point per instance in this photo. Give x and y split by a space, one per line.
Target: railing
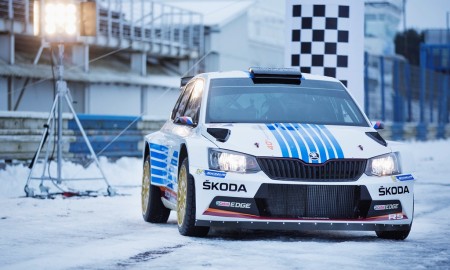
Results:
400 93
145 21
153 22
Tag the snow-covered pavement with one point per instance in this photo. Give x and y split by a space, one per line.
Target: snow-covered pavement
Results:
109 232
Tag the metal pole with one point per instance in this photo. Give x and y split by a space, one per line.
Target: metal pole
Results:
61 92
408 89
366 83
405 35
423 65
448 28
383 106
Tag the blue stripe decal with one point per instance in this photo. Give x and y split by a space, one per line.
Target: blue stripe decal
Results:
309 142
159 147
157 155
174 162
175 154
281 143
301 144
330 149
157 180
159 172
319 143
287 135
333 140
157 163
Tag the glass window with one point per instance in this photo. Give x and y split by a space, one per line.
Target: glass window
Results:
193 106
182 101
315 102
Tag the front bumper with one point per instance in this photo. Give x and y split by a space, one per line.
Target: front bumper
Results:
258 202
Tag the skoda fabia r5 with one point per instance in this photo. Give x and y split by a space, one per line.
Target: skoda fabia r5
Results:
273 149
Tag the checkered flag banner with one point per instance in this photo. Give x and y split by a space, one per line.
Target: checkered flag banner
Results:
327 38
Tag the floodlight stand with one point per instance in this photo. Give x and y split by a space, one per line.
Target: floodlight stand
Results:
63 93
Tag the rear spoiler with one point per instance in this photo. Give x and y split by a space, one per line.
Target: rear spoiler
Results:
275 75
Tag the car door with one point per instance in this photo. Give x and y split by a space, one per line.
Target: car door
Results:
187 105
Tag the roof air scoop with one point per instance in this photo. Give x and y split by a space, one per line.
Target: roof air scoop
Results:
221 134
275 75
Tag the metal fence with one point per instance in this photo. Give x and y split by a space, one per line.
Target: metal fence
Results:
398 92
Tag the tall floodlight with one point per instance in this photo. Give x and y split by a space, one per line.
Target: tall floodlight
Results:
59 23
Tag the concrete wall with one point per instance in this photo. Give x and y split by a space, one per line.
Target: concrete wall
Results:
3 93
113 100
21 133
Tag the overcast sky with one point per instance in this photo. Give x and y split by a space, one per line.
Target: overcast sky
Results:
426 14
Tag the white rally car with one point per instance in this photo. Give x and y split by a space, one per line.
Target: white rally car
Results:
273 149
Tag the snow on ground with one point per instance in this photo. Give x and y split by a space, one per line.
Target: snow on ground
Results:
109 232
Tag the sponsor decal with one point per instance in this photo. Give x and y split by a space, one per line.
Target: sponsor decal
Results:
314 155
386 206
405 177
383 191
233 204
396 216
199 171
223 204
209 185
170 196
269 144
215 174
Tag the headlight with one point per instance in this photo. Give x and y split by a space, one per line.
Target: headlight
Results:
223 160
388 164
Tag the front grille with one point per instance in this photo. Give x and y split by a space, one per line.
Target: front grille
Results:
334 170
309 201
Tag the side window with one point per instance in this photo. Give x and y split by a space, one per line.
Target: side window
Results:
195 100
175 108
182 101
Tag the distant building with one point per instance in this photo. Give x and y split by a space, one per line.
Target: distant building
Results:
380 25
142 48
130 67
381 22
436 50
239 34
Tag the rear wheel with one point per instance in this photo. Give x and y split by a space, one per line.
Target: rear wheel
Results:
153 210
186 203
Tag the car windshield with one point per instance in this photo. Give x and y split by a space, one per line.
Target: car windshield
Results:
239 100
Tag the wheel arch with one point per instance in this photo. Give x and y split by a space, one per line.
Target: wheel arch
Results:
183 154
146 151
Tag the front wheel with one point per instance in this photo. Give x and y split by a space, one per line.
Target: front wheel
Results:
186 203
153 210
394 235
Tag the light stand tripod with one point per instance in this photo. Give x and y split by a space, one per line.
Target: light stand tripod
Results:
62 94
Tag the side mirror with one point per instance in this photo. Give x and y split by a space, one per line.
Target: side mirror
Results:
184 120
378 125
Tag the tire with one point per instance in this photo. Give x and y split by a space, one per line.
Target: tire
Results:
186 203
153 210
393 235
396 235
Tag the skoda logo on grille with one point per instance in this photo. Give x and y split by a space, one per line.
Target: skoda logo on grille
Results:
313 155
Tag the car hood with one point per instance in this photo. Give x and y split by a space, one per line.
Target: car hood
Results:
309 142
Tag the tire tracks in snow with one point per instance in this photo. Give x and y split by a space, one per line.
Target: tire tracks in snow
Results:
147 256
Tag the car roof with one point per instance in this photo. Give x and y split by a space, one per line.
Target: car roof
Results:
246 74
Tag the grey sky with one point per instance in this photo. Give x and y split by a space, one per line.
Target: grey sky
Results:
426 14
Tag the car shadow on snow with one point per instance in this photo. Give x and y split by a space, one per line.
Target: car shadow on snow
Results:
291 236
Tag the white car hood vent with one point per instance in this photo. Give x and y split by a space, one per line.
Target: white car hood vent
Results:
221 134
